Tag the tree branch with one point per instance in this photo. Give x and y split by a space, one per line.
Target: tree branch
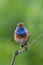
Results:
21 51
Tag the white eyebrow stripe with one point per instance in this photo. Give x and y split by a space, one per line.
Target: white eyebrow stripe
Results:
20 23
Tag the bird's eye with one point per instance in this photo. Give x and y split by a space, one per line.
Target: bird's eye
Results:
18 25
23 25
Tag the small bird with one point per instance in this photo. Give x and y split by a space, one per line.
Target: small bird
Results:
21 35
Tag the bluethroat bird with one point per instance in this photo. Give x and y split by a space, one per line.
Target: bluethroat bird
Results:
21 35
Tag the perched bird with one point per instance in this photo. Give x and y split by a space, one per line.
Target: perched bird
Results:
21 35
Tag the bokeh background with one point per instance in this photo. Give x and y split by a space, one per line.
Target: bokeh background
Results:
30 12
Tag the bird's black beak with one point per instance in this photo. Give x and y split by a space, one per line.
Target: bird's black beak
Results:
20 25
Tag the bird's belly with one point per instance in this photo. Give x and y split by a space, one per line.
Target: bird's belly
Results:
20 40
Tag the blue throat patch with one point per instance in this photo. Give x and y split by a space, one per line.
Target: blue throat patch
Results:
21 31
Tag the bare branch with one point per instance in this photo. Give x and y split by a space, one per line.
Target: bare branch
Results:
21 51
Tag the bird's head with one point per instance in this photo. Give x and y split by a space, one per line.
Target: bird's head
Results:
20 30
20 24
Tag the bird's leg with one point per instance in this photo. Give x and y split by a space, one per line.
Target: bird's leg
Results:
26 47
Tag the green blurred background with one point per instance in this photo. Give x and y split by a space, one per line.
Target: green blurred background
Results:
30 12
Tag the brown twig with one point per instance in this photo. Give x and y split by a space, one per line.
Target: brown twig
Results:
21 51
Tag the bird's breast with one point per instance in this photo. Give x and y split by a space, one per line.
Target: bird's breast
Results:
22 37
